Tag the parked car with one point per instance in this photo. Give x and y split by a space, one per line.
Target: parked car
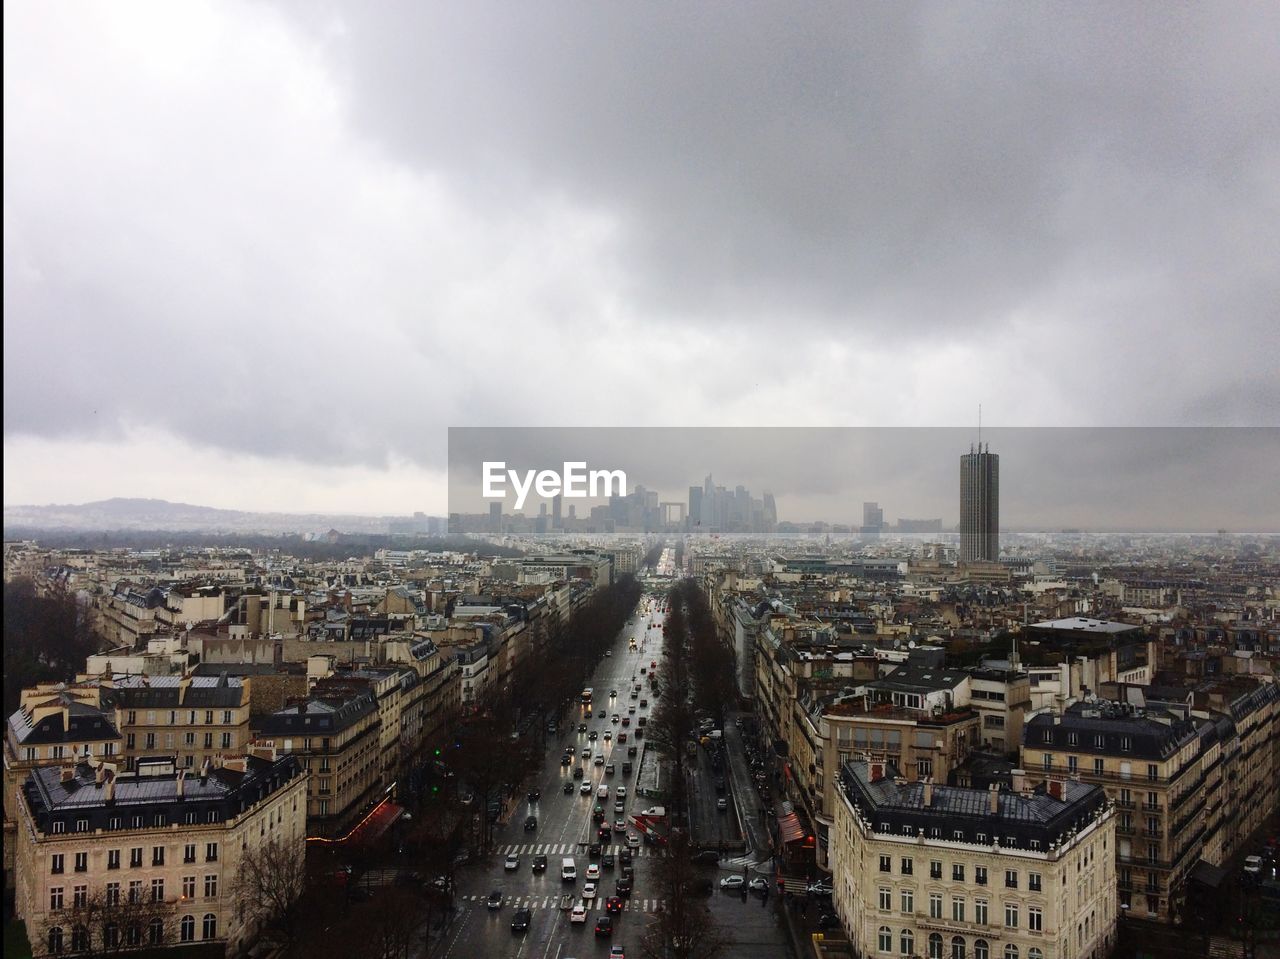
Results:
758 884
732 882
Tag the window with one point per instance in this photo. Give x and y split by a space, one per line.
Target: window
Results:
208 721
80 939
113 894
189 852
935 945
981 950
189 739
1126 743
886 899
1073 739
211 852
208 740
1097 767
155 931
1011 878
907 942
885 939
1033 881
135 890
56 863
135 857
82 825
1153 772
1034 953
114 823
55 939
226 740
908 901
226 716
188 887
1073 764
157 855
924 767
1011 915
980 912
885 864
187 929
1048 760
980 837
151 740
935 905
130 741
210 926
957 872
157 890
980 875
906 866
1035 919
957 909
1010 951
55 898
211 886
957 947
935 869
79 897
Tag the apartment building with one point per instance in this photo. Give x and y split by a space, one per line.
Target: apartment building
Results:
1154 764
191 717
335 737
921 869
114 860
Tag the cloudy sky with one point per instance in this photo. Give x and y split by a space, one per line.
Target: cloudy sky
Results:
262 256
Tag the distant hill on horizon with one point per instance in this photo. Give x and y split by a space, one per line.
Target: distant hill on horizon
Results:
124 513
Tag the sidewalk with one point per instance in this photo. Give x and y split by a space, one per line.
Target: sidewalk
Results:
752 811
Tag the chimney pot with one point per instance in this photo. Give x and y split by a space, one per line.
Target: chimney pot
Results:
995 799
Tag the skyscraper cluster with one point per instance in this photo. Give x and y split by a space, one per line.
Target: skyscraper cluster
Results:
718 509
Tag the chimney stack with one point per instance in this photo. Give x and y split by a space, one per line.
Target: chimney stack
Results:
67 773
877 772
182 775
1018 780
928 791
109 791
99 775
1057 789
995 799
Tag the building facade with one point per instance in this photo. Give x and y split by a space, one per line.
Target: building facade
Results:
980 506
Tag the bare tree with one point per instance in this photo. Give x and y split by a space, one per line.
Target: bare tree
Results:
109 924
685 928
269 889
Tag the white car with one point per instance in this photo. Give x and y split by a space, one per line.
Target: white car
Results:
593 871
579 913
621 791
1253 864
589 890
513 862
633 841
585 789
619 806
732 882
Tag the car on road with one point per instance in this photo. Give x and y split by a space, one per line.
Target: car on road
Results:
568 787
593 850
531 823
821 888
621 792
615 718
625 856
539 863
577 773
601 714
619 806
732 882
623 887
598 761
705 856
633 841
608 652
613 693
582 727
520 921
593 871
604 926
613 905
585 788
593 735
632 750
619 825
607 860
644 704
566 760
1253 865
617 952
758 884
495 899
608 769
513 862
588 890
603 833
828 920
534 795
722 805
579 913
608 735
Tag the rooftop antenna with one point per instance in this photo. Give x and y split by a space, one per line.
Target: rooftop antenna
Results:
979 427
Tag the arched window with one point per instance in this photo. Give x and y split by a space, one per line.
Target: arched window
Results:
211 926
187 929
1034 953
908 943
1010 951
981 950
886 939
155 931
957 947
79 938
935 945
55 939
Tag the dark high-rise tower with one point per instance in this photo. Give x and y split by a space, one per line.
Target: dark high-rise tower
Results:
980 505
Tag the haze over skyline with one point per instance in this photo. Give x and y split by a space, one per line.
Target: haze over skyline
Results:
262 256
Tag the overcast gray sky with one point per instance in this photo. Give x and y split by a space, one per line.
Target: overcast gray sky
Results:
262 256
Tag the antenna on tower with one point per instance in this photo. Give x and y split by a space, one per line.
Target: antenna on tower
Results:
979 427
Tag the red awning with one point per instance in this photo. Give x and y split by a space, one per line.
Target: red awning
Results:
789 827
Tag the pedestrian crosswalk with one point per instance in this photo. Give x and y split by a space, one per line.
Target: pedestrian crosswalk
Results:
569 849
554 902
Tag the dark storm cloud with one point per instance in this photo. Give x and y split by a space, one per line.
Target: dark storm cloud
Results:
320 234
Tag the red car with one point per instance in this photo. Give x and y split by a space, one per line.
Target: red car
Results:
613 905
